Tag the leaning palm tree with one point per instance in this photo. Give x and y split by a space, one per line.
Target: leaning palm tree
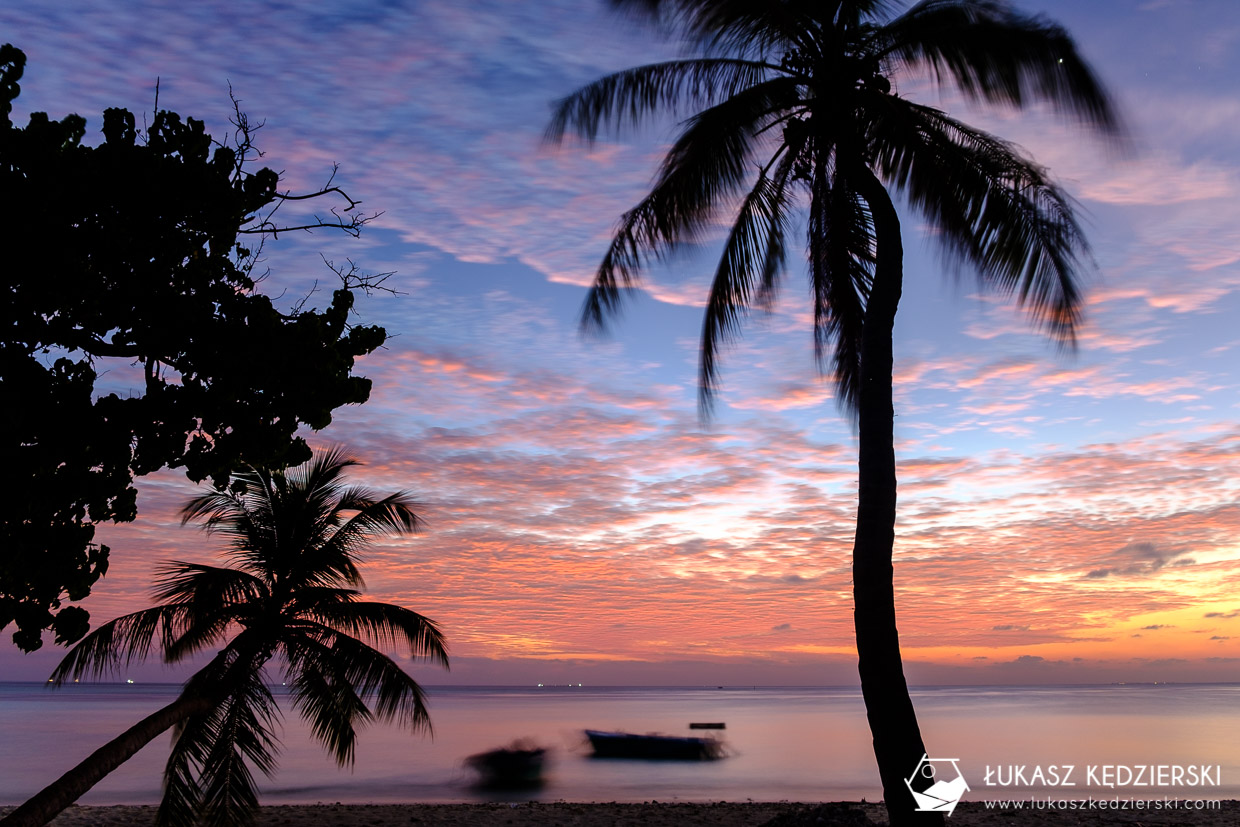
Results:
295 541
792 104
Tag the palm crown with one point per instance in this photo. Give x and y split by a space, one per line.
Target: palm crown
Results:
292 592
794 101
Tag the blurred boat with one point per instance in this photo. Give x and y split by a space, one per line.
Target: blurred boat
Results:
517 765
656 746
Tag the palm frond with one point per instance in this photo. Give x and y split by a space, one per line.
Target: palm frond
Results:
325 471
331 706
375 677
190 583
214 508
198 635
332 558
119 642
753 257
308 598
745 27
705 166
243 515
212 600
674 86
841 254
243 735
996 210
993 53
207 776
392 514
182 796
313 492
385 625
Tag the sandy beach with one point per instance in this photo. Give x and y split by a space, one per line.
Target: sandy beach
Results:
725 814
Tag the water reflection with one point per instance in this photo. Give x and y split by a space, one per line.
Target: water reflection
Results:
785 743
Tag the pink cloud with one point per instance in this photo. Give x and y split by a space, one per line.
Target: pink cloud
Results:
1161 181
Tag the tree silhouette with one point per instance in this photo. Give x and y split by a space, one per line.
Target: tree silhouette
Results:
803 92
136 257
295 541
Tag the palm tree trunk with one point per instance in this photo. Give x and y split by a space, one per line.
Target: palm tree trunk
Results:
62 792
898 746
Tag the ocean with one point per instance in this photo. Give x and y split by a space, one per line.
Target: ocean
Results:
784 743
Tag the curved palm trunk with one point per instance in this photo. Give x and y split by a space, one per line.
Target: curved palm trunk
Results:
898 745
47 804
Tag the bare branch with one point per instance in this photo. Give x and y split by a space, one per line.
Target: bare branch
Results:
351 225
327 188
368 283
243 136
244 149
350 279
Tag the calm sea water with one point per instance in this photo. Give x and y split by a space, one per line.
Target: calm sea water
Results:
797 744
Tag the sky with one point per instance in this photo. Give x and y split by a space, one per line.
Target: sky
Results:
1064 517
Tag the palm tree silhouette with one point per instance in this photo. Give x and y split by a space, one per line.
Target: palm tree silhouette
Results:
295 540
803 92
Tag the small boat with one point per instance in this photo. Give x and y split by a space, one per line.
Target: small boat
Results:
656 746
517 765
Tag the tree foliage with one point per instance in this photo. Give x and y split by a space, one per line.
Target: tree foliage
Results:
135 337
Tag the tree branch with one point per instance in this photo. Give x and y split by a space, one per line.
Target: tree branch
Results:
368 283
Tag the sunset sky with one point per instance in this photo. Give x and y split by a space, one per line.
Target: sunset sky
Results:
1063 517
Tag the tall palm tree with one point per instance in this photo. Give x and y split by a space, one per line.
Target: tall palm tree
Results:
295 541
793 104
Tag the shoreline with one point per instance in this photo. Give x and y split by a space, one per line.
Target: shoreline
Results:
571 814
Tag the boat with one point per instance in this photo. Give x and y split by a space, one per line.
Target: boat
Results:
518 765
654 745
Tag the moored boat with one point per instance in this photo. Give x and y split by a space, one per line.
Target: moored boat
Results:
517 765
654 746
